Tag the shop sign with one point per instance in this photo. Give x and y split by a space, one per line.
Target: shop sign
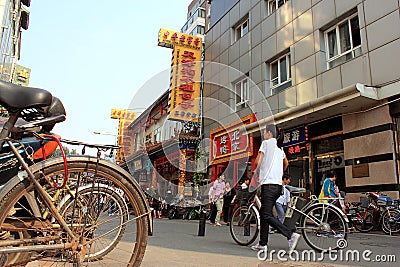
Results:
327 164
169 38
137 164
295 136
297 150
184 104
228 141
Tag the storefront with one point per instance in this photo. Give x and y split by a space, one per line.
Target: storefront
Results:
296 147
232 152
313 150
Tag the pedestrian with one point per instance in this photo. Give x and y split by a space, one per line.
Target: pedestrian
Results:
283 200
271 162
230 193
213 209
218 196
328 187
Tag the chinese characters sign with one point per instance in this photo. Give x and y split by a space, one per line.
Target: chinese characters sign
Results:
170 39
185 85
295 136
185 74
228 141
125 135
295 142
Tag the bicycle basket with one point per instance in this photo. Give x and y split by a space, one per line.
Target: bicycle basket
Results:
244 195
365 201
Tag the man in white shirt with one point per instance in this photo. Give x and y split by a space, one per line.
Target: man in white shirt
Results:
271 162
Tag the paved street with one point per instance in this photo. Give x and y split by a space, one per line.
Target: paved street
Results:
176 243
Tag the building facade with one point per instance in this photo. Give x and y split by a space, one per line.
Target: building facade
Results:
198 18
162 151
329 71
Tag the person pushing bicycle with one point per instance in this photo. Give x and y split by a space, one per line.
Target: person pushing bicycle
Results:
271 162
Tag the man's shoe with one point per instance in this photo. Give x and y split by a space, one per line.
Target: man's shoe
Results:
293 242
258 247
339 235
217 224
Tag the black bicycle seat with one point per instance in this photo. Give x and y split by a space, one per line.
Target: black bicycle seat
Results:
13 96
295 190
355 204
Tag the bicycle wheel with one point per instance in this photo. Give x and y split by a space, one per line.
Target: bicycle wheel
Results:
98 201
367 224
105 240
322 227
244 225
391 221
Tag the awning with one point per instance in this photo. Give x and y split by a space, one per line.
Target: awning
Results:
347 100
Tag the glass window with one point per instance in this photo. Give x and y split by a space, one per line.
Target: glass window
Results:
280 71
242 93
202 13
343 41
273 5
280 74
242 29
157 135
200 29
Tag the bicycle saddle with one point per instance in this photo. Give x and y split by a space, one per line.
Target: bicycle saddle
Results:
19 97
294 190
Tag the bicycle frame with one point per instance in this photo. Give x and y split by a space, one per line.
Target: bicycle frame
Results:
315 201
45 196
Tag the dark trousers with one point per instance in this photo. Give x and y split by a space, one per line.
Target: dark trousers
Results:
213 212
227 210
269 194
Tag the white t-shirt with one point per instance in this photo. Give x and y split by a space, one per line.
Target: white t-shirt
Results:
285 198
271 169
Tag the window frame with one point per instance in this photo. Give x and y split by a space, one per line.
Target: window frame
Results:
240 29
279 76
244 95
157 135
353 50
274 5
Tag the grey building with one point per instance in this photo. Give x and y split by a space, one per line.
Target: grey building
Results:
329 71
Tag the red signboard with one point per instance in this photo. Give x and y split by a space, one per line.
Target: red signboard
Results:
227 142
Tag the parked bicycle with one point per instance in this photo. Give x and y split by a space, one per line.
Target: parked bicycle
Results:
55 212
375 211
321 224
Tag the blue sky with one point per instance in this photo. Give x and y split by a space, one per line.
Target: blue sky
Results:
95 54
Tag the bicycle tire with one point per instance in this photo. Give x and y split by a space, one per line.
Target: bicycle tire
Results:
367 224
244 233
322 226
129 250
388 226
